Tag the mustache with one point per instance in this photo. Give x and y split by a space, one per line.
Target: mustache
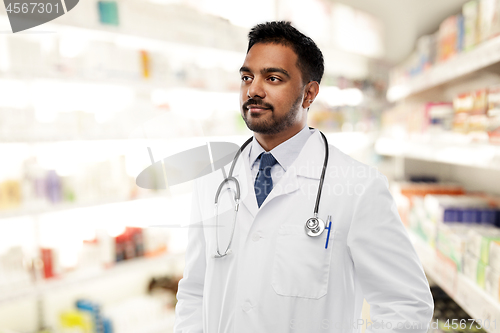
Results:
258 101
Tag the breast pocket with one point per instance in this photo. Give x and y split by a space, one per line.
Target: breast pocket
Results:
301 265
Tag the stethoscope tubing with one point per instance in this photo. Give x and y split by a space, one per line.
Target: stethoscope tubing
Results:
322 178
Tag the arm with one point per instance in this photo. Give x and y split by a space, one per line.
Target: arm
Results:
386 264
188 311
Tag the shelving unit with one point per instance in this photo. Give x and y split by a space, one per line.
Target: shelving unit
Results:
475 301
482 56
485 156
431 149
73 279
46 208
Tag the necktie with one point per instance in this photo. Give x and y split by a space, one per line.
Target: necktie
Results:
264 183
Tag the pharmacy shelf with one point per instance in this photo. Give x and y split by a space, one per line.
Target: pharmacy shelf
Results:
478 155
51 208
482 56
78 277
468 295
130 36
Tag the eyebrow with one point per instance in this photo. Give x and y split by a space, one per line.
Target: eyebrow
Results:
267 70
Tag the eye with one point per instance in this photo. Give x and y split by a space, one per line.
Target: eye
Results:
274 79
245 78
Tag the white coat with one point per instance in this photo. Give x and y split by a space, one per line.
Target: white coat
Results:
280 280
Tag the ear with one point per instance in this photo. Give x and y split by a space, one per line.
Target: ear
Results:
310 92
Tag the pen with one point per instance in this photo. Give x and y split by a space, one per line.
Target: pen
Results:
329 219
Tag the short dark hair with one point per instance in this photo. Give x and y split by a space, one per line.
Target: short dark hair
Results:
310 59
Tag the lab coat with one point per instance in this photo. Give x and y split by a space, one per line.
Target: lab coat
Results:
278 279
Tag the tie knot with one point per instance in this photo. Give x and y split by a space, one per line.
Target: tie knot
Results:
267 160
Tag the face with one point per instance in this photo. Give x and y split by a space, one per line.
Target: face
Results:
272 90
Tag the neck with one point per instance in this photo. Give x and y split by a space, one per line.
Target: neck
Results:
270 141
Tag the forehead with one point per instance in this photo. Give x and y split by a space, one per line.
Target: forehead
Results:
270 55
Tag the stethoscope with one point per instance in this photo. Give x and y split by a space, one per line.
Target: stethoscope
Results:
313 227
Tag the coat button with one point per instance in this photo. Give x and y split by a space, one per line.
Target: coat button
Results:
255 237
246 306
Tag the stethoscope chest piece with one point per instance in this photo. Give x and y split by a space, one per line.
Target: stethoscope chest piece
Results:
314 227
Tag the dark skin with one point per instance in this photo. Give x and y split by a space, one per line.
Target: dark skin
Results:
273 96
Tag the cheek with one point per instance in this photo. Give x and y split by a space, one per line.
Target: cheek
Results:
284 101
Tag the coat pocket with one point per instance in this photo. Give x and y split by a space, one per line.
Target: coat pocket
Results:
301 266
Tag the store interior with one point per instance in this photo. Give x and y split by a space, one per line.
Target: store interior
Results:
94 97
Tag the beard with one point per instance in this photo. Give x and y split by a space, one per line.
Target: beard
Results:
274 125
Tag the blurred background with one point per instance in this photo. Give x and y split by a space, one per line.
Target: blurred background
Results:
92 98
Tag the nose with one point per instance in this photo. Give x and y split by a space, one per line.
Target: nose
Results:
256 89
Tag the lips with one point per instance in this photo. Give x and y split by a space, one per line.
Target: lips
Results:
256 107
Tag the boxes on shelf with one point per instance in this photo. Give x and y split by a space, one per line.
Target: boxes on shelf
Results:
493 126
74 320
477 121
473 116
439 116
40 187
494 255
470 11
459 46
420 224
495 25
470 263
452 242
86 318
474 269
155 241
479 240
463 105
478 22
10 194
486 18
426 51
465 209
471 112
480 274
447 38
422 189
419 219
492 282
130 244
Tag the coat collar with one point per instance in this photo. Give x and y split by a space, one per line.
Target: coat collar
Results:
308 164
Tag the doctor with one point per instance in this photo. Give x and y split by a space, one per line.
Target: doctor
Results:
276 278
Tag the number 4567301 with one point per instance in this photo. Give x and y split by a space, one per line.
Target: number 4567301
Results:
455 323
32 7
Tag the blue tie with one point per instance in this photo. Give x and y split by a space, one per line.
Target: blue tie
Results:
264 183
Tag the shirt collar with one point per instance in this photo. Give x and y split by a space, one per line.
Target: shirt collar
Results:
285 153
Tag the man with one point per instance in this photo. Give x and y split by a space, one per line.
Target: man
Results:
276 277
